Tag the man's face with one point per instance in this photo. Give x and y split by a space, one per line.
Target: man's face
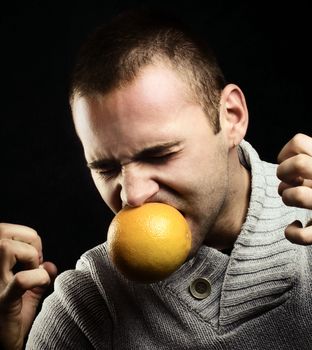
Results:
149 142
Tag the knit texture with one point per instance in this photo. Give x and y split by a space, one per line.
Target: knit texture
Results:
261 295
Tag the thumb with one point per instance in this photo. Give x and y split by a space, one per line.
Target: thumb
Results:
33 298
51 269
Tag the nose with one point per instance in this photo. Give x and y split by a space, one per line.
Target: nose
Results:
137 185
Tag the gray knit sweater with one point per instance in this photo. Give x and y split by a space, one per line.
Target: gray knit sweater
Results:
261 295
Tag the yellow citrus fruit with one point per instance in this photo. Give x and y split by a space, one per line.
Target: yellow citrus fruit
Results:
149 242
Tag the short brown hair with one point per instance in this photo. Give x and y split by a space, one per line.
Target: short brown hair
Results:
115 53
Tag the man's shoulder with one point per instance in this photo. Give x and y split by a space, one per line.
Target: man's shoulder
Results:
89 268
99 268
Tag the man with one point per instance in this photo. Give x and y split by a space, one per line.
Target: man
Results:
159 123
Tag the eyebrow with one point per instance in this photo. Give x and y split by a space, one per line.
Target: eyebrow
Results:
144 153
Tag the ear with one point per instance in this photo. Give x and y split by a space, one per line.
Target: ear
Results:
233 114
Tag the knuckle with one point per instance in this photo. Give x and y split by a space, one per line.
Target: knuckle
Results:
31 252
3 228
282 187
37 239
32 233
19 279
280 171
304 238
295 196
298 139
45 279
300 162
299 196
5 245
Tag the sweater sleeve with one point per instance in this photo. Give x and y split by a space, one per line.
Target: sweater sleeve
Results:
75 316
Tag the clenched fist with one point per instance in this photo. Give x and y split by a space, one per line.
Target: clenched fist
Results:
20 292
295 173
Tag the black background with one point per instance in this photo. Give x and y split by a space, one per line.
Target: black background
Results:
262 46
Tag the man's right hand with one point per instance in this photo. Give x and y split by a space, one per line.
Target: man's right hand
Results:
20 292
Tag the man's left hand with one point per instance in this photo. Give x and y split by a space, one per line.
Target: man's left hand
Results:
295 173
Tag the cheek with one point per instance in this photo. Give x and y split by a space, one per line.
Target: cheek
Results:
207 182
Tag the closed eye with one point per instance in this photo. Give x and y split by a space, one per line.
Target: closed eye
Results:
158 159
109 173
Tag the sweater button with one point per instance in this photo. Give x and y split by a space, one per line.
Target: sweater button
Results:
200 288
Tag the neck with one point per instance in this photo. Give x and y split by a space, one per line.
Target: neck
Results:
233 213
